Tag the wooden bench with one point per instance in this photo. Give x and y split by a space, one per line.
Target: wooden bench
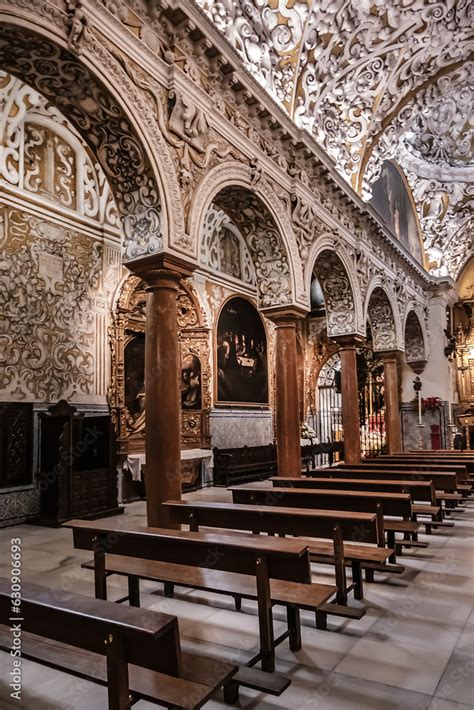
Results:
269 570
133 651
419 490
338 526
244 463
447 486
397 505
432 459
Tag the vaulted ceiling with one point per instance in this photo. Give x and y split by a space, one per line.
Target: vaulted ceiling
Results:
374 80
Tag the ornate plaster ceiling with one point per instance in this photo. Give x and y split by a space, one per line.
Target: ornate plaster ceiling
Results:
372 79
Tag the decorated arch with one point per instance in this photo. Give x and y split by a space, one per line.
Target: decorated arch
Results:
54 53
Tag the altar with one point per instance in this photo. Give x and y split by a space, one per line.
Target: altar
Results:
196 472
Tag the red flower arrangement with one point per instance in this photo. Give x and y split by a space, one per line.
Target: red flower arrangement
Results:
431 403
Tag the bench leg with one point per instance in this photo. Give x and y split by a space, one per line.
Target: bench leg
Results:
294 627
265 615
117 673
392 545
357 579
231 692
133 590
238 602
100 578
369 575
169 589
321 620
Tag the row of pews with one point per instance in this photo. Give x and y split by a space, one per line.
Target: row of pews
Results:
359 519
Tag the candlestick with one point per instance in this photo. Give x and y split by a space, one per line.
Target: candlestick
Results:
420 415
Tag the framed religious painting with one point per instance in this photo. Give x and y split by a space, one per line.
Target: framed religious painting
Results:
241 355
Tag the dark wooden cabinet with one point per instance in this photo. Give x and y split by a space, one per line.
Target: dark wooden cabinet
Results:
16 444
78 477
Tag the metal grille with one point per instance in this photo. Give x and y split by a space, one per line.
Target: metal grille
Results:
327 422
371 405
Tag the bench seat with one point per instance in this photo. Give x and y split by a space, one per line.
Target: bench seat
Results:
305 596
200 675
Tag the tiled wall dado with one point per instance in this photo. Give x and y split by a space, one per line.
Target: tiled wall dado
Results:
234 427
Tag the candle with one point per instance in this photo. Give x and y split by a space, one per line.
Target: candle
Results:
419 408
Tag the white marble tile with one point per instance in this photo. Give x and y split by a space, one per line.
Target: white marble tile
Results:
400 665
457 682
465 644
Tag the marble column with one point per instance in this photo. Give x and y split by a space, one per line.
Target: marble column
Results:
288 432
393 426
163 410
350 401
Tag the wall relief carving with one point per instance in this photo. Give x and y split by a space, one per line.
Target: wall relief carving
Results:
64 80
415 353
382 321
50 277
338 295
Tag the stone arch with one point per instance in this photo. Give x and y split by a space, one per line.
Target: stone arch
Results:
339 285
92 90
381 310
415 337
250 201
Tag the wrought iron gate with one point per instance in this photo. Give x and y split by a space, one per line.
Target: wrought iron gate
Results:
327 422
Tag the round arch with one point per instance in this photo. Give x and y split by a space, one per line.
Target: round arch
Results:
335 273
251 202
92 90
381 310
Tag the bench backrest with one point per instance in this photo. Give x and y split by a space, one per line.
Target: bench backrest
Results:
460 471
151 638
419 490
396 504
442 481
429 459
355 526
286 559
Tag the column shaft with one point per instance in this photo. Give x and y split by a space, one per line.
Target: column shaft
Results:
393 428
350 404
287 404
162 435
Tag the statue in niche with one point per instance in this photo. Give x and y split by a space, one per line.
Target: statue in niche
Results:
191 382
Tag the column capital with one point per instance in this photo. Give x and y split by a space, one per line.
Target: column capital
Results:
390 355
348 342
160 267
285 316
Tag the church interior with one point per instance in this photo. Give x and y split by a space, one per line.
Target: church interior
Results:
236 354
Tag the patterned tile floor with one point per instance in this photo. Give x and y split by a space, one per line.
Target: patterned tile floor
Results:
413 650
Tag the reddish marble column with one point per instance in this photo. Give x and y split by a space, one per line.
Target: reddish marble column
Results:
350 402
287 400
163 411
393 427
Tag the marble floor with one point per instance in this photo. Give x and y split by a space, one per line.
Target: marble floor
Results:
414 649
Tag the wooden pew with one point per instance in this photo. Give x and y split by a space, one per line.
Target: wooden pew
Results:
269 570
338 526
468 462
244 463
389 504
132 651
419 490
442 481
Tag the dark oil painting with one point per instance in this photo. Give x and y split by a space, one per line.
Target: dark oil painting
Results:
242 375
